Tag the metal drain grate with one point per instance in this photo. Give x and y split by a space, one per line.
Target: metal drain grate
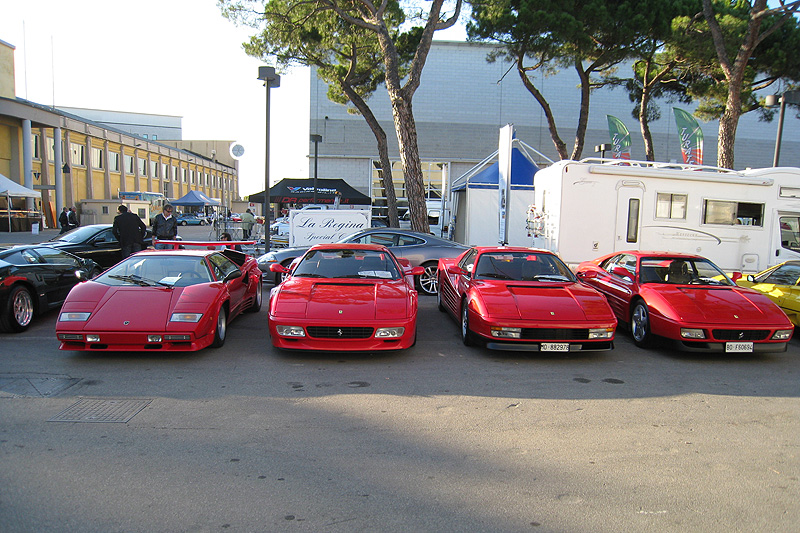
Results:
101 410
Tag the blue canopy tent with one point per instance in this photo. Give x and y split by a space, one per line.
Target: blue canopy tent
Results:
195 199
474 199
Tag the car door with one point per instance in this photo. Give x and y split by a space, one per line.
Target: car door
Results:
617 288
104 249
237 287
61 271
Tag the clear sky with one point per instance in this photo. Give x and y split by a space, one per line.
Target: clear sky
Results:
169 57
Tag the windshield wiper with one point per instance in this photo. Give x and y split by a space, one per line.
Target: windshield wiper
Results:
550 277
494 275
309 275
142 282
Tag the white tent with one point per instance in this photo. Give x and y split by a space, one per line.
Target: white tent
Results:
11 189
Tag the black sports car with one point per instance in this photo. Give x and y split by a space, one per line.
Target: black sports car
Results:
34 279
95 242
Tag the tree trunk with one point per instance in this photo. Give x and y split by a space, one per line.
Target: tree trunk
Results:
644 123
409 155
560 146
583 116
727 130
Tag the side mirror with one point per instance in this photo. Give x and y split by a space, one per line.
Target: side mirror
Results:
416 271
751 278
622 272
233 274
587 274
277 267
455 269
736 276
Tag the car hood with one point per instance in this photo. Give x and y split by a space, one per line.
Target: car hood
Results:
722 305
572 302
133 308
342 299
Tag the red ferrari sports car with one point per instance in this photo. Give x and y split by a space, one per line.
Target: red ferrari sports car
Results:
166 300
523 299
344 297
686 298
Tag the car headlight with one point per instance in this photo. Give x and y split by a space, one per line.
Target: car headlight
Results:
73 317
506 333
601 333
692 333
290 331
783 335
389 333
186 317
267 258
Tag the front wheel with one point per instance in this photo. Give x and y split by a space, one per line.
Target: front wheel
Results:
183 223
640 325
18 314
221 331
428 283
466 334
255 307
202 222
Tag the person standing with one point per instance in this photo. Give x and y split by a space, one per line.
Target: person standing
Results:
72 218
247 223
129 230
63 220
165 227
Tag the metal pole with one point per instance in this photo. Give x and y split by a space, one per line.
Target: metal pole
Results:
316 140
270 79
780 132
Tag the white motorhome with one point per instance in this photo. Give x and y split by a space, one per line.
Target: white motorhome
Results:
742 220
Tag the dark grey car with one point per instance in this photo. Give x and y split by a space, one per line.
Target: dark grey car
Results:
419 248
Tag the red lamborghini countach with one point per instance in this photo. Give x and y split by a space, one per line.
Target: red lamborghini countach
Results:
344 297
162 300
688 299
523 299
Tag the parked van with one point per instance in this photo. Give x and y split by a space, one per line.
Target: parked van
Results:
742 220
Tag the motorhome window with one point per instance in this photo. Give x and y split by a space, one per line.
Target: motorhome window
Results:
671 205
790 233
633 220
790 192
733 213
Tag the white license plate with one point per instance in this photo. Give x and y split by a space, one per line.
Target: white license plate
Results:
738 346
554 347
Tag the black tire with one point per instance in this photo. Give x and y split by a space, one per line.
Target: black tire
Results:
183 223
95 272
19 311
640 325
255 307
280 276
466 334
221 331
202 222
428 282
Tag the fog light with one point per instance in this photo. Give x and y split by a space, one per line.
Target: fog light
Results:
389 333
74 317
783 335
154 338
507 333
601 333
689 333
290 331
177 337
92 338
70 337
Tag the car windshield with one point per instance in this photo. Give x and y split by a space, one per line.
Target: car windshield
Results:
522 266
346 263
76 235
151 269
681 271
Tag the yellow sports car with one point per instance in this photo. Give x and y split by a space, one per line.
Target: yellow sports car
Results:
780 284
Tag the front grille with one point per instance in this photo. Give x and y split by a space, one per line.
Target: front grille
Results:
740 334
555 334
332 332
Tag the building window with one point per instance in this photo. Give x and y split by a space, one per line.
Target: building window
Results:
155 137
671 205
183 175
105 209
113 162
154 168
433 179
129 164
77 154
142 166
174 173
733 213
35 142
97 158
191 177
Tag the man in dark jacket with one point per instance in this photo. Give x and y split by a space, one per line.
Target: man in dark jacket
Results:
129 230
63 220
165 227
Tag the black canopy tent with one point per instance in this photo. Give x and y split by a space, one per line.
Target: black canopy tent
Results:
301 191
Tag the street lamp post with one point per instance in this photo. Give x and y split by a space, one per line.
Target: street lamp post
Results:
791 97
316 139
271 79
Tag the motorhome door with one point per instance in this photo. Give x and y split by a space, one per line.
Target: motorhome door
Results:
629 216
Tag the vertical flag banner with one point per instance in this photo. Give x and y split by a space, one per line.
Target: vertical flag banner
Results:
620 138
691 137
